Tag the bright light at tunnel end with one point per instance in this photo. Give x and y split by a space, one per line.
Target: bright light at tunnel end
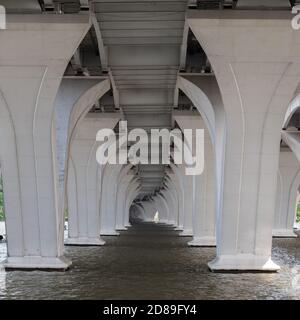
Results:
2 18
184 147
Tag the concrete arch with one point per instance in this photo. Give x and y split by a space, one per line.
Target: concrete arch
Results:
201 102
132 191
180 192
79 111
83 150
293 107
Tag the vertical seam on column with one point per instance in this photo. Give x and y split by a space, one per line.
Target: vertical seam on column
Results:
34 152
87 180
242 153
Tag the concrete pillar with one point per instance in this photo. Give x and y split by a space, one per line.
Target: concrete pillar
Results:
188 187
169 203
173 193
164 211
205 95
204 214
125 180
75 97
34 53
108 199
174 183
177 179
150 210
172 205
132 192
142 213
84 180
287 192
256 93
137 212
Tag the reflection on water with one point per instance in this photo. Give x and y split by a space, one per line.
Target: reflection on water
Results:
152 262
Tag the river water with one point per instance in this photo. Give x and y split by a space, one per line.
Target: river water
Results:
152 262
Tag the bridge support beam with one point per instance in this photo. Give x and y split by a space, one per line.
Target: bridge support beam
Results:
204 194
256 93
84 181
30 74
125 179
287 192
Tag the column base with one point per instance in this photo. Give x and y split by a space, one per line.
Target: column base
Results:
243 263
179 228
37 263
84 242
128 225
284 233
186 233
109 233
202 242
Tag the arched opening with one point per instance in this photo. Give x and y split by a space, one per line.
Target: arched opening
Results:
128 67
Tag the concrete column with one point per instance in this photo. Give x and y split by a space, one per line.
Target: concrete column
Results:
287 192
142 213
108 199
34 53
75 97
256 93
204 214
172 205
137 212
173 183
177 179
132 192
125 181
162 208
84 180
173 193
188 185
150 210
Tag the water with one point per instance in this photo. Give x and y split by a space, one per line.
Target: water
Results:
152 262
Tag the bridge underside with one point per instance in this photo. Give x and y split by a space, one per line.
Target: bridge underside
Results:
71 70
